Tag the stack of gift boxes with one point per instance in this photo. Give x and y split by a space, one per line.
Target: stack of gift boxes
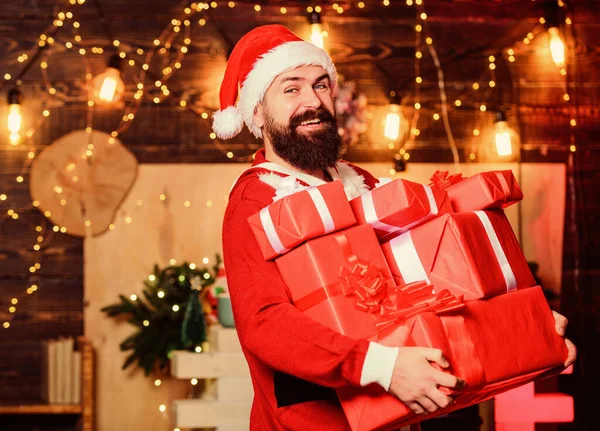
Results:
408 264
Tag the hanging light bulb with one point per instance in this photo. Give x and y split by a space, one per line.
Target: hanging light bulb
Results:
391 127
388 125
15 98
557 47
506 140
108 87
316 29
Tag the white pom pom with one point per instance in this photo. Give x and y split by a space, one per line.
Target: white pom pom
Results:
227 123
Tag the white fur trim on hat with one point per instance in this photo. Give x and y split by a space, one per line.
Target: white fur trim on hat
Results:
273 63
227 123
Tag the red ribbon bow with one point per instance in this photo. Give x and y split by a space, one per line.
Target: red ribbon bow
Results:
416 298
442 179
363 280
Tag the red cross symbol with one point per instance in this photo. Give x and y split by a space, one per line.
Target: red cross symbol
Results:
520 408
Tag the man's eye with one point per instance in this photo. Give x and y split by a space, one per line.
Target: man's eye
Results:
291 90
321 86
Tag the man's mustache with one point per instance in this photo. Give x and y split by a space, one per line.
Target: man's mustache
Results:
321 114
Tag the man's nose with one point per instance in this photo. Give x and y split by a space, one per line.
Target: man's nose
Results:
311 99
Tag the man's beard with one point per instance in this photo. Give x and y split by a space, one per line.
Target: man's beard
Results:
316 150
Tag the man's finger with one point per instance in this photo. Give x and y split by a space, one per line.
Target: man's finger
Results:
439 398
448 380
572 352
427 404
560 323
436 355
416 407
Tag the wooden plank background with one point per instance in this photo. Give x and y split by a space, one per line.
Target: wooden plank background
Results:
373 47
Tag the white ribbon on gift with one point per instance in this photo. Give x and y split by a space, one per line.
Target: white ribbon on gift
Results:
411 268
322 209
507 272
372 218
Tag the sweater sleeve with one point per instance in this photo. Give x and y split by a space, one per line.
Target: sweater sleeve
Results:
274 331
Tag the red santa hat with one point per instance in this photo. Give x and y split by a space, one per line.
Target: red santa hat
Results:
257 59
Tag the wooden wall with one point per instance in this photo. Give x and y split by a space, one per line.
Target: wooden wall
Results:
373 47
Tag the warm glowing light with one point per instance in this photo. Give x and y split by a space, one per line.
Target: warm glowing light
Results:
316 35
14 123
15 118
391 129
503 143
108 86
505 138
557 47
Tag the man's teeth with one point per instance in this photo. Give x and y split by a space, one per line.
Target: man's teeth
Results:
307 122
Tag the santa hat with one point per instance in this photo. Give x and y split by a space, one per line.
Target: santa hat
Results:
257 59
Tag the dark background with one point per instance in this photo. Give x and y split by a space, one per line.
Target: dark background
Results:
375 48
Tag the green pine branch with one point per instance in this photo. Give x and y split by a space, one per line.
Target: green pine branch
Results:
167 315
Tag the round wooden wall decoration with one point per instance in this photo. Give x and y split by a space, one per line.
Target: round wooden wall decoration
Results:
81 180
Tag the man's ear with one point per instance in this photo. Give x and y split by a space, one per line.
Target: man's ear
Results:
259 118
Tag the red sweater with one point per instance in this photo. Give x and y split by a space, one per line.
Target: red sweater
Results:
294 361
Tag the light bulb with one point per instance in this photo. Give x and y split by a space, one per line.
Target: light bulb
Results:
316 35
557 47
502 140
15 118
388 125
505 138
391 128
316 30
108 86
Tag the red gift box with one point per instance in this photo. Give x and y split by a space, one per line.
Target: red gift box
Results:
339 280
309 213
494 345
399 205
487 190
475 254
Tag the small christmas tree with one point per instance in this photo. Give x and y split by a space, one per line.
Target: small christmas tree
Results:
168 316
193 329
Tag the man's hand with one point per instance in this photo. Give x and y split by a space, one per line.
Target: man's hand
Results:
560 323
415 381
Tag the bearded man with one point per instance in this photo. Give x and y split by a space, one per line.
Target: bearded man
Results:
286 88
